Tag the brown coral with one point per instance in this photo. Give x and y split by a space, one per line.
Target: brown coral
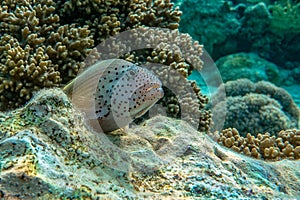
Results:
51 44
265 119
35 51
264 146
183 55
43 46
258 108
109 17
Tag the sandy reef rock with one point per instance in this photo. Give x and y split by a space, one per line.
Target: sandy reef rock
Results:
47 152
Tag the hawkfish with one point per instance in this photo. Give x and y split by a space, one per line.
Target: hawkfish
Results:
112 93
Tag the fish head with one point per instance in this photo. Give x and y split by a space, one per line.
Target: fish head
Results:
148 90
140 90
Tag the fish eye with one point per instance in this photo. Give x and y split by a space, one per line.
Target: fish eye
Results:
131 73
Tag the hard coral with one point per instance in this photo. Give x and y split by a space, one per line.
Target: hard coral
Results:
43 46
263 146
35 51
238 26
183 55
250 66
109 17
258 108
47 46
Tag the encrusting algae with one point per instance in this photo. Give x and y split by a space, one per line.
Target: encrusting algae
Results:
47 152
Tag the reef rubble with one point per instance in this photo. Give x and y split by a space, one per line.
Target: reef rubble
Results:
48 152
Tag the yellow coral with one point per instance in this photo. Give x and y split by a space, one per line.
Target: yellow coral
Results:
263 146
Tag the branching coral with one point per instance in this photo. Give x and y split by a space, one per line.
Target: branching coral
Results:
35 51
264 146
182 55
109 17
262 116
43 46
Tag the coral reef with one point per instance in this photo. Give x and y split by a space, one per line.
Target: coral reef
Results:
48 49
250 66
268 28
221 25
36 51
43 45
109 17
181 56
285 18
263 146
258 108
47 152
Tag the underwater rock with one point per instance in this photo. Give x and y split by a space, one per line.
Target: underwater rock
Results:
47 152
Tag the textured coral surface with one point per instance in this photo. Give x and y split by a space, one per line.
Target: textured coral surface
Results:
269 28
263 146
250 66
258 107
44 43
36 50
234 31
47 152
261 120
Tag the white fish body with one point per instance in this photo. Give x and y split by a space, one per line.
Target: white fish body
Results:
112 93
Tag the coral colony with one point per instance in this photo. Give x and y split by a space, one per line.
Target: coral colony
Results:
49 148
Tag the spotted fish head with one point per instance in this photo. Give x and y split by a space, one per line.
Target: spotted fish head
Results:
129 91
136 91
114 92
